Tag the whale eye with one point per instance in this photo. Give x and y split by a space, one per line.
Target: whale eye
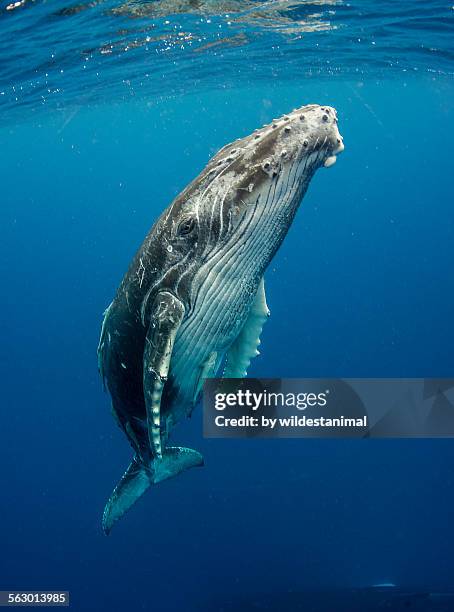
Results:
186 227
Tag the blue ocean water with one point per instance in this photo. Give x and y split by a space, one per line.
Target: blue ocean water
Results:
101 128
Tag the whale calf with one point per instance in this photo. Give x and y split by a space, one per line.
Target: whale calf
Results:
193 299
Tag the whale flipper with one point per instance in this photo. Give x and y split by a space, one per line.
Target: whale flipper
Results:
138 478
166 317
244 348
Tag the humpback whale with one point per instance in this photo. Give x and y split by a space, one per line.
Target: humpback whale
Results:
193 299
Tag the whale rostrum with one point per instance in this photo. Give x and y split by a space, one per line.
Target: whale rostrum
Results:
192 303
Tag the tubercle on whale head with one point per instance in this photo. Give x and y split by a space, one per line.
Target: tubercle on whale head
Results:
308 131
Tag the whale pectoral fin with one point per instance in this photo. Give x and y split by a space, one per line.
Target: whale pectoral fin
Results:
166 316
132 485
244 348
137 479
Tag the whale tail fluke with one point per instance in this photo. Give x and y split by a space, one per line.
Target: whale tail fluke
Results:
139 477
133 484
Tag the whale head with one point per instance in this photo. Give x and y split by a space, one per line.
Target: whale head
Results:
297 143
282 157
244 199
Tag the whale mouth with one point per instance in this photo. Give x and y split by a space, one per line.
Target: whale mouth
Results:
332 158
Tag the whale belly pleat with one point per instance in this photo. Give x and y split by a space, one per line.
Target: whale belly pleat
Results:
233 335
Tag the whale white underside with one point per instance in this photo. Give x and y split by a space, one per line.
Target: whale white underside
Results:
243 341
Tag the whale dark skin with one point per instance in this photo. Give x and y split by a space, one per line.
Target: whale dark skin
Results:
193 298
